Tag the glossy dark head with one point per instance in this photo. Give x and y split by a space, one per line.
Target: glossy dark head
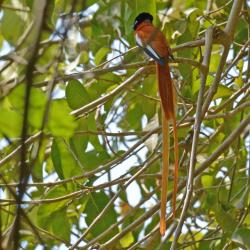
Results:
141 18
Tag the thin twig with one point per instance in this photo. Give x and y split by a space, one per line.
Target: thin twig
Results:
112 200
197 124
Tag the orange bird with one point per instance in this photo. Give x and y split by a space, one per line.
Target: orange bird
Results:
153 42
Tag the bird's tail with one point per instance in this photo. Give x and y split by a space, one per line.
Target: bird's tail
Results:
166 90
167 97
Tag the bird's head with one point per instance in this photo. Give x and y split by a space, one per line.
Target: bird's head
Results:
144 16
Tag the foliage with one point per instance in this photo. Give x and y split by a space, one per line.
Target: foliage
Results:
79 118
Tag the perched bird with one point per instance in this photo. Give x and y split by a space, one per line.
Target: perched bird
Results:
155 45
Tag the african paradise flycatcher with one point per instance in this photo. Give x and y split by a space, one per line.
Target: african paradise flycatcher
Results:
155 45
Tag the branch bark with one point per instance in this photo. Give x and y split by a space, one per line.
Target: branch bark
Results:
197 125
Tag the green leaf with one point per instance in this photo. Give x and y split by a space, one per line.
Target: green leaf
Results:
149 88
60 224
240 33
12 25
197 83
127 240
241 202
193 13
146 6
61 6
214 62
36 104
204 245
17 97
239 81
93 159
78 145
134 115
91 124
106 82
76 94
56 159
196 86
101 54
95 205
61 123
127 18
65 162
207 180
29 3
225 218
185 69
241 236
193 24
223 91
10 123
37 170
49 55
84 58
46 211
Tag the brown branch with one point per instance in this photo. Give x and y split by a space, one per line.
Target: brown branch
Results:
226 38
84 189
7 202
237 58
16 151
233 97
227 142
24 169
197 125
112 200
10 7
227 115
107 97
115 225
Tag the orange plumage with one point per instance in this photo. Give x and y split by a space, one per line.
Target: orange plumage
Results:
155 45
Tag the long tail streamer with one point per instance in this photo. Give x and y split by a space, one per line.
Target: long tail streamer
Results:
166 92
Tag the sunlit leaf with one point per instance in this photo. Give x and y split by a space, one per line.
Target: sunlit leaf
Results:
61 123
207 180
214 63
223 91
12 26
10 123
100 55
37 103
127 240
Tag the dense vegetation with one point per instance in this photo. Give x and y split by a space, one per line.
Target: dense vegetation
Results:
81 133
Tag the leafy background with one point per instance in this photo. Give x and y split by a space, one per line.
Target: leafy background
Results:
80 126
